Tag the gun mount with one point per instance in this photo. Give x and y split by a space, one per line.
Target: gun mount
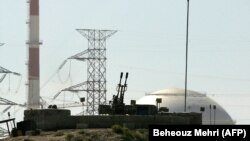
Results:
118 107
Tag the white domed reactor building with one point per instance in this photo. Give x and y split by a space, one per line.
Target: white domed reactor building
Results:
173 99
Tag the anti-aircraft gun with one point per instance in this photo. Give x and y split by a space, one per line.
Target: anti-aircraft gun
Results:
118 106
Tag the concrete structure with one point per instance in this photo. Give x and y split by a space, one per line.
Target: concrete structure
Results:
33 43
173 99
54 119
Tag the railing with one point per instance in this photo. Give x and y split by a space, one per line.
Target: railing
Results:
7 123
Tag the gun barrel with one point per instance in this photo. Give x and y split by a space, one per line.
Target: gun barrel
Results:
119 85
126 79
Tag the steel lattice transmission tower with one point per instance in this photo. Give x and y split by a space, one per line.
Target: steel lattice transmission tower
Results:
96 67
95 55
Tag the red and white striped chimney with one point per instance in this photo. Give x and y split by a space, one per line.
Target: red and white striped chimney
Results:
33 100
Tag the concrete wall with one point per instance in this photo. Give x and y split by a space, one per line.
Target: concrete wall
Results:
52 119
49 119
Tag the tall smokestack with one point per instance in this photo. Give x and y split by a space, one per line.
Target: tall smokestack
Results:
33 99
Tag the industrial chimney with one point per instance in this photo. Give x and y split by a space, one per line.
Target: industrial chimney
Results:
33 43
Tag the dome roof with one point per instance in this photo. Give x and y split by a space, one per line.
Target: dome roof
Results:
176 92
173 98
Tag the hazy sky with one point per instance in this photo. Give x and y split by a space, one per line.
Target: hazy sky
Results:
149 44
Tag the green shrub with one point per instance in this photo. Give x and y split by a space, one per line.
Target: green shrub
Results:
87 134
117 129
28 140
142 131
127 138
69 137
78 138
127 132
82 132
94 136
127 135
139 136
59 134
